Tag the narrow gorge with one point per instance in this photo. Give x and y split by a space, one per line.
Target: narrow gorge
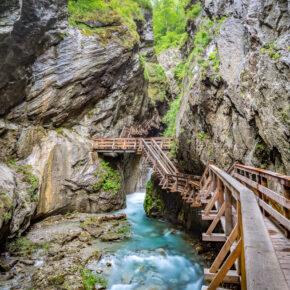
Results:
207 80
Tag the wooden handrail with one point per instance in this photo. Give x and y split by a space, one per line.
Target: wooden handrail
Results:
281 178
228 195
275 203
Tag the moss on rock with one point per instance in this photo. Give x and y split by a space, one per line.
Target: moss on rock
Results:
153 204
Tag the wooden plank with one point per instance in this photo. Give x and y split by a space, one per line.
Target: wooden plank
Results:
275 214
231 277
214 237
262 267
226 266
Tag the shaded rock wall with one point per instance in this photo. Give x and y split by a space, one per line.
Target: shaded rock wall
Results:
17 202
243 115
59 87
27 28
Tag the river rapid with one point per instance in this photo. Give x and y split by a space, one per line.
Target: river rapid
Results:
156 256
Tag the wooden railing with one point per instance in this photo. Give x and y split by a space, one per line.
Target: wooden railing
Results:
168 174
272 190
127 144
246 241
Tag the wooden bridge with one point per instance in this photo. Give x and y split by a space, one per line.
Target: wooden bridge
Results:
154 151
251 205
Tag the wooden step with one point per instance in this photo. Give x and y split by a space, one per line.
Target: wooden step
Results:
209 217
205 201
231 277
214 211
215 237
206 287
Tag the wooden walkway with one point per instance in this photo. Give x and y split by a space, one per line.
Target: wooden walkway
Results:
281 246
245 200
153 150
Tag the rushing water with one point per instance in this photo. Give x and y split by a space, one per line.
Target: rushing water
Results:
155 257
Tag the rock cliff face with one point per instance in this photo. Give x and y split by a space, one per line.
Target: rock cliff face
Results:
235 103
59 87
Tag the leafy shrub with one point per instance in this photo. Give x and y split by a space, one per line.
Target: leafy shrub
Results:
170 117
109 179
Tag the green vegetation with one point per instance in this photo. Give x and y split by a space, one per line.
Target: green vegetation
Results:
122 12
108 178
202 136
152 200
157 80
169 23
26 247
89 279
90 113
271 50
7 217
29 177
59 130
170 117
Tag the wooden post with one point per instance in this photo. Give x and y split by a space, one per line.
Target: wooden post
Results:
286 211
228 212
220 189
264 182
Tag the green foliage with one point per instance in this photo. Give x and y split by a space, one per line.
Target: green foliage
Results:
26 247
202 136
59 130
29 177
169 23
157 80
271 50
170 117
179 72
119 11
7 216
194 11
215 61
109 179
152 200
90 113
89 279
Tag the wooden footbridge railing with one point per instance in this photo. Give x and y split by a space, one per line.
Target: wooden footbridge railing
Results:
130 145
168 174
234 205
153 150
247 243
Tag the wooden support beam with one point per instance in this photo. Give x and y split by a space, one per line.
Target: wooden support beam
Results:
208 217
231 277
216 219
228 212
225 249
214 237
226 266
211 203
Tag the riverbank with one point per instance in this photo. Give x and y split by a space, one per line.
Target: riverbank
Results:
77 251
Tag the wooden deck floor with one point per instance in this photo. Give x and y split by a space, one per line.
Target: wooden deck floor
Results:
281 246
